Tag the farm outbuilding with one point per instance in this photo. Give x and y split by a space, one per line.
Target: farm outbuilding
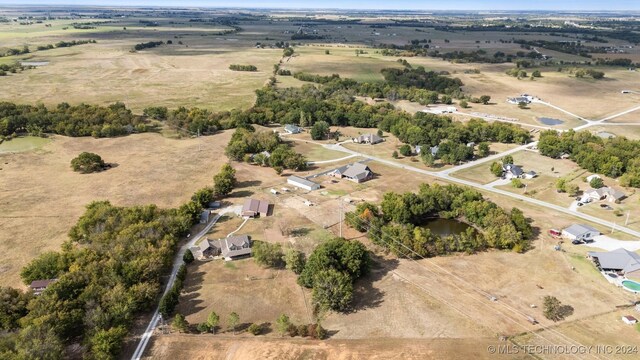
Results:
302 183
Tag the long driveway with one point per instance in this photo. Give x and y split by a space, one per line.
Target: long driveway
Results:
177 262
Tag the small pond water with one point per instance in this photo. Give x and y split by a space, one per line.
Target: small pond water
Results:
550 121
445 227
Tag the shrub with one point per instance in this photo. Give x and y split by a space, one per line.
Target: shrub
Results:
188 257
254 329
87 162
268 254
405 150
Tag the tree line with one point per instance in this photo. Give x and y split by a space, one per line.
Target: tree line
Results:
399 222
109 271
64 119
62 44
614 157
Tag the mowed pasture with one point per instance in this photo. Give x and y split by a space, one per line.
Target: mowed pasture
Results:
42 197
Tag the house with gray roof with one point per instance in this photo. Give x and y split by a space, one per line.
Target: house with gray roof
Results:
581 232
235 247
254 207
302 183
608 193
207 249
356 172
621 261
512 171
292 129
368 139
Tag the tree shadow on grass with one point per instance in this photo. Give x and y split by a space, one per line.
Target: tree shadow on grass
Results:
248 183
365 294
241 193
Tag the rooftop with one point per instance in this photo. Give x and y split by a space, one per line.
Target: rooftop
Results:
621 259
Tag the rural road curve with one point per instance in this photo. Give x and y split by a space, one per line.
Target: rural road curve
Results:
445 175
177 262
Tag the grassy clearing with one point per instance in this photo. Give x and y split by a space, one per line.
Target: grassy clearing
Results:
23 143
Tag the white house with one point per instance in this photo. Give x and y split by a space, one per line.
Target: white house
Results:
629 320
292 129
580 232
302 183
512 171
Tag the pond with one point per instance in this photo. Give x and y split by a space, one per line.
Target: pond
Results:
606 135
23 143
446 227
550 121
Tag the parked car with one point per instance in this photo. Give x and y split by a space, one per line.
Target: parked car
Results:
576 242
588 241
579 204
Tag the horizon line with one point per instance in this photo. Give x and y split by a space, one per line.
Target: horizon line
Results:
310 8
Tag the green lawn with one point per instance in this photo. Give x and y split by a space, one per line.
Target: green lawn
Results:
25 143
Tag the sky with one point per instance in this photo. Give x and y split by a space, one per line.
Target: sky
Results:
584 5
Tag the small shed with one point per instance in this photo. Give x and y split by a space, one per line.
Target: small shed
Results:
629 320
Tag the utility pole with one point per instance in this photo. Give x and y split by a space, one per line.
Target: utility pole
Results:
626 222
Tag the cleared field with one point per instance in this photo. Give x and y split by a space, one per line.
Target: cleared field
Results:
611 332
231 348
42 197
21 144
193 71
343 61
315 152
258 295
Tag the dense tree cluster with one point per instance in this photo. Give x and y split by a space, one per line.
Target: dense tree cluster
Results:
420 78
399 223
64 119
16 51
238 67
263 148
330 271
147 45
13 68
107 272
615 157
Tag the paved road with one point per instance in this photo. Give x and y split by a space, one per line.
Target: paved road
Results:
177 262
445 175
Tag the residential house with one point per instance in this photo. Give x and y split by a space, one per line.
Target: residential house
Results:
302 183
356 172
530 174
207 249
581 232
512 171
368 139
292 129
524 98
235 247
434 150
621 261
38 286
254 207
608 193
